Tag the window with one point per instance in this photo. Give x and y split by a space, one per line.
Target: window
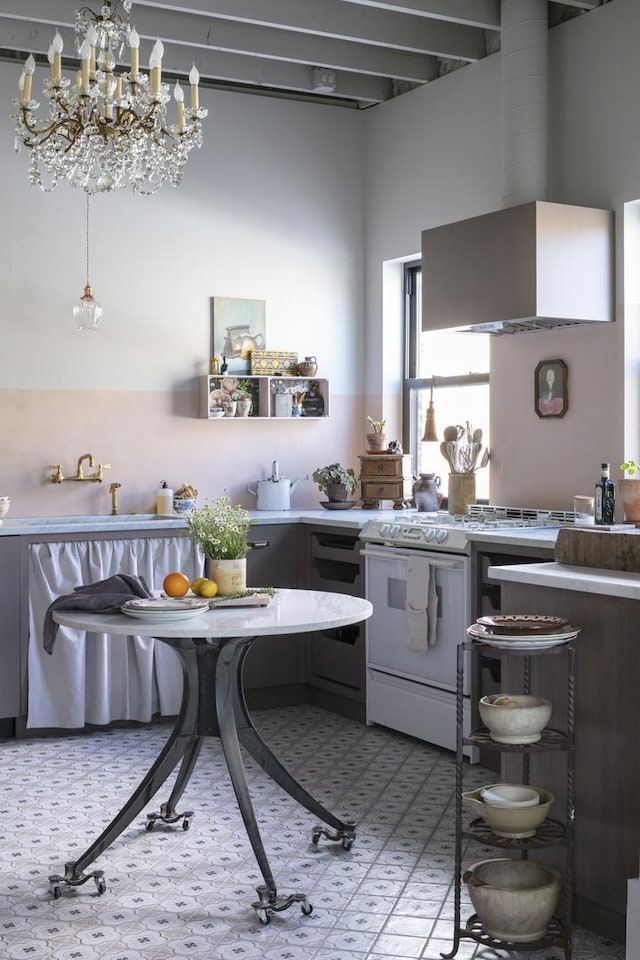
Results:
456 365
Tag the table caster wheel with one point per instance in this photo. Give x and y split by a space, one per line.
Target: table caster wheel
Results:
149 825
315 836
264 917
56 890
307 908
186 823
347 843
101 885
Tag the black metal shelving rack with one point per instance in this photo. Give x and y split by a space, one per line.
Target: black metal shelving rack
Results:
550 833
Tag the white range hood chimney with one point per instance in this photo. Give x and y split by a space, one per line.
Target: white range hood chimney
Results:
524 80
532 264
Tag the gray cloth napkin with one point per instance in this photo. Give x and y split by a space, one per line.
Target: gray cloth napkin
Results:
104 596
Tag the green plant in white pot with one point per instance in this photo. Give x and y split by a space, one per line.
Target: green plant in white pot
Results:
629 488
336 481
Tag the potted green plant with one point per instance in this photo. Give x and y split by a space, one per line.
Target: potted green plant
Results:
629 488
377 439
335 480
220 529
243 395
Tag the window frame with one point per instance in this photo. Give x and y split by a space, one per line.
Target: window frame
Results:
411 382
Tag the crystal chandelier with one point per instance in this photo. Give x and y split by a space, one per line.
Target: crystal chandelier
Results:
106 130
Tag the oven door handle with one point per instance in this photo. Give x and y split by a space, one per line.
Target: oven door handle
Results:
387 553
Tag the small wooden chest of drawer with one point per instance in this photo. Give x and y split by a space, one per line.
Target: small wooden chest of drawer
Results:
385 465
385 477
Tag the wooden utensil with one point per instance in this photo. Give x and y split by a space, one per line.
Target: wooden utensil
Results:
444 450
485 458
450 433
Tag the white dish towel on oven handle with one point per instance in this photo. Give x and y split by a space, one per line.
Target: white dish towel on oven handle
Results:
421 606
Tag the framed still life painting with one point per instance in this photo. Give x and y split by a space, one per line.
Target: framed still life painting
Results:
237 328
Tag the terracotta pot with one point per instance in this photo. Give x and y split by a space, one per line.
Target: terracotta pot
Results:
630 495
230 575
377 441
243 407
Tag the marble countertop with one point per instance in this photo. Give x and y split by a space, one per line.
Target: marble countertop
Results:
353 520
562 576
28 526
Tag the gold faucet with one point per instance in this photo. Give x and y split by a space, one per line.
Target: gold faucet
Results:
113 490
96 477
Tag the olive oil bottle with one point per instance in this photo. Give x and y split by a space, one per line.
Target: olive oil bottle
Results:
605 498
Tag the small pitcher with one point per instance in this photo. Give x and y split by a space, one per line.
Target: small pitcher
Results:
426 493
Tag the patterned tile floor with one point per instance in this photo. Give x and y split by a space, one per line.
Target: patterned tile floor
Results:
176 894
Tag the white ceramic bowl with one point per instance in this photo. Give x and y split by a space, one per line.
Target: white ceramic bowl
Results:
510 795
512 822
514 899
515 717
216 412
5 503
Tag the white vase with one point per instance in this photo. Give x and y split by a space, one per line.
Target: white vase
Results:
243 407
230 575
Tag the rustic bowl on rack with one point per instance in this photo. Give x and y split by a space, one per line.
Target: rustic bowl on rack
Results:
514 899
515 718
511 822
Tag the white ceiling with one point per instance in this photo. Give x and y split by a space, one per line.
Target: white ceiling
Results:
375 49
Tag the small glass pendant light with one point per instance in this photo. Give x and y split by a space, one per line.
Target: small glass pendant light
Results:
87 313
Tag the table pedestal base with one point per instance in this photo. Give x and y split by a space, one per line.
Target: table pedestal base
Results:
213 704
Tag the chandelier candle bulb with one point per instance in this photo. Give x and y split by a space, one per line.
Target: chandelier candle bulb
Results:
179 98
92 39
85 58
57 46
155 62
194 79
29 70
134 44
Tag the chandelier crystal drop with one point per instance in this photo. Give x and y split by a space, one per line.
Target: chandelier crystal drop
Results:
106 130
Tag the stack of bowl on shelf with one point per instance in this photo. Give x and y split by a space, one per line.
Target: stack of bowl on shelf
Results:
515 899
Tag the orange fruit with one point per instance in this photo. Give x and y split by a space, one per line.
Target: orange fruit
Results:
175 584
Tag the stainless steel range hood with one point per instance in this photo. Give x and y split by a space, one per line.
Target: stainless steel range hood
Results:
528 267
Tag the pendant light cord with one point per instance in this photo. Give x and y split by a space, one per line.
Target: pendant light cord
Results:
88 197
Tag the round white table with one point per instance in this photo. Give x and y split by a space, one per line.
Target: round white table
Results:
212 648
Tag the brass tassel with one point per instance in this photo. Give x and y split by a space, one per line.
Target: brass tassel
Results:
430 432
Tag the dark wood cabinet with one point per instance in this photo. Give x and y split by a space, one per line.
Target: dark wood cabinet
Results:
275 561
607 726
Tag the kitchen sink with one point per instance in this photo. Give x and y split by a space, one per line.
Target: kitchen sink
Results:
99 520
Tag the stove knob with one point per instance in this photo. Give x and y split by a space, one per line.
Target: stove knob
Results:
430 533
384 529
441 534
394 530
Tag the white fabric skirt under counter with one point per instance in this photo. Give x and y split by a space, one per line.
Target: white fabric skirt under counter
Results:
97 678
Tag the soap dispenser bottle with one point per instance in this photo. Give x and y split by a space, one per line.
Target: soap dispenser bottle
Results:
164 500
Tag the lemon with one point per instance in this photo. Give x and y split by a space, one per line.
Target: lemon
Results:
197 583
208 588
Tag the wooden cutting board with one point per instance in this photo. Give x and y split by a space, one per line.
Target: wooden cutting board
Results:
616 549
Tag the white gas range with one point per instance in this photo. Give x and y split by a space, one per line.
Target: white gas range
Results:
417 576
